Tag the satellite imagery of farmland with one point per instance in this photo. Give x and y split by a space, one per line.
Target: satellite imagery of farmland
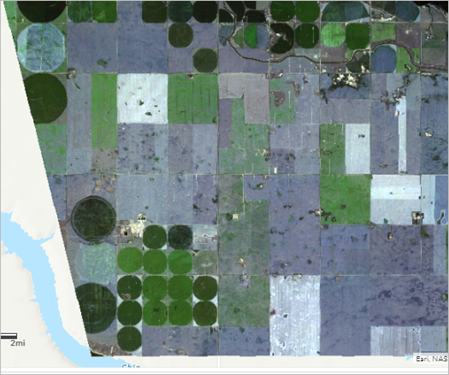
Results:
246 178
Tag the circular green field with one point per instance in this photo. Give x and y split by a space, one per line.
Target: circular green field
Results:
285 41
129 259
155 288
129 339
307 35
434 48
180 35
307 11
205 287
333 35
180 313
129 287
205 11
238 37
80 11
251 35
154 262
41 11
154 11
180 287
180 11
282 11
93 218
180 261
47 98
225 32
129 313
154 236
155 313
180 237
238 8
205 60
256 36
97 305
205 313
357 36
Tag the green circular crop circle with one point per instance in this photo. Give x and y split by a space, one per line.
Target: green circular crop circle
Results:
155 313
180 237
357 36
129 339
282 11
250 35
154 262
205 287
97 305
154 11
205 313
237 7
154 236
205 60
93 218
205 11
256 36
286 40
180 287
180 261
180 35
47 97
307 35
307 11
129 287
155 288
129 313
180 11
332 35
434 49
41 11
180 313
238 37
80 11
129 259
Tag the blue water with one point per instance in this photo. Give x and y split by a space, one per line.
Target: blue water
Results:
36 261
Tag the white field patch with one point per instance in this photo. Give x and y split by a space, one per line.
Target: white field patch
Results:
295 317
357 148
403 192
142 98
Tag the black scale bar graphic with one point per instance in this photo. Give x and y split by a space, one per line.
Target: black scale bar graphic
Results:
9 336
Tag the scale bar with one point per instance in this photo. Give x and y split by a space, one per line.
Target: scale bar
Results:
9 336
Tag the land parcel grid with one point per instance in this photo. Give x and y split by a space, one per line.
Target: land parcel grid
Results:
246 178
